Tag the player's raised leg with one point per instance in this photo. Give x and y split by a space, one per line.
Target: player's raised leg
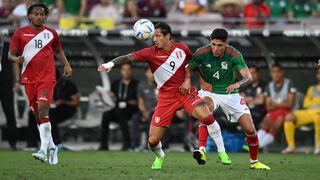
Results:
154 143
246 123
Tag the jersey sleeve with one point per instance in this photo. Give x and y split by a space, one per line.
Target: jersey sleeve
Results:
141 55
56 45
240 63
195 61
188 53
15 42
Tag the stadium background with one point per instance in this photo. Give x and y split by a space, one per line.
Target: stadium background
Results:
292 42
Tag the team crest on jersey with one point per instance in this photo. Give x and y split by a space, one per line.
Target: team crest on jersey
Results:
179 54
46 35
224 65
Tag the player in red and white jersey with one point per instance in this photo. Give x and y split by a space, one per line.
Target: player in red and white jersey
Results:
34 46
168 61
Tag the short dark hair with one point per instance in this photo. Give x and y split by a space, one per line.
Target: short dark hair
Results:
254 67
164 28
45 7
126 63
220 34
277 65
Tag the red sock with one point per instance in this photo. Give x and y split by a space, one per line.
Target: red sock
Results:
43 120
203 135
253 143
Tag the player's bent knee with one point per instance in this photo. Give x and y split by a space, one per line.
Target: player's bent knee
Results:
152 141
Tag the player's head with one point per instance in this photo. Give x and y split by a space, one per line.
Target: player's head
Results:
277 73
37 14
219 42
254 70
126 71
162 35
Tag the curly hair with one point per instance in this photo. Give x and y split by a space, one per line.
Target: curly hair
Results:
46 9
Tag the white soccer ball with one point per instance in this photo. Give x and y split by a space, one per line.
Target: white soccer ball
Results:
143 29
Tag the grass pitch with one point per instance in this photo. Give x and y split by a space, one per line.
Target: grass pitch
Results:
130 165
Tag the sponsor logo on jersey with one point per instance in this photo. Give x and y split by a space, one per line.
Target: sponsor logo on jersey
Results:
161 57
224 65
157 119
30 35
208 65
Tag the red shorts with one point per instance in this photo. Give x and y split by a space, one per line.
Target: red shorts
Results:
39 92
170 102
274 115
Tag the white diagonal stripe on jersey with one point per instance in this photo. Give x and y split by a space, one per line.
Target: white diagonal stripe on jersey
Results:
30 50
165 72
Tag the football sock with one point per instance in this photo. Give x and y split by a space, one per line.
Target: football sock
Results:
215 133
253 143
203 136
157 149
289 131
45 132
317 132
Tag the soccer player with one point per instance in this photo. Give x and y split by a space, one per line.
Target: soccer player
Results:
217 63
168 60
33 46
310 114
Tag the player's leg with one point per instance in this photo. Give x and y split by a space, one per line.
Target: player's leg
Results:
154 143
247 125
316 119
289 131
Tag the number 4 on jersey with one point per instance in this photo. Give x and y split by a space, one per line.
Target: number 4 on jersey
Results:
216 75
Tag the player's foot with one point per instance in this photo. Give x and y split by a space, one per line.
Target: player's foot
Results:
317 151
289 150
224 158
157 164
200 156
53 155
259 165
40 155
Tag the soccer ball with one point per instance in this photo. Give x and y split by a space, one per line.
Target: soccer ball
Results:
143 29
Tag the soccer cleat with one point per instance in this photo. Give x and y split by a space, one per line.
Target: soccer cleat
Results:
224 158
259 165
40 155
289 150
53 155
157 164
200 156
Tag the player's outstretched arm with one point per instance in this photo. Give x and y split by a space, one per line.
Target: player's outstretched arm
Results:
246 79
67 70
116 61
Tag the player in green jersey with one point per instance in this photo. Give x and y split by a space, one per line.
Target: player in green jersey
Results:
218 64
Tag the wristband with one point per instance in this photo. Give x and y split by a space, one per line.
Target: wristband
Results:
108 65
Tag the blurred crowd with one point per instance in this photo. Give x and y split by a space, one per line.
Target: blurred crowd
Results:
107 14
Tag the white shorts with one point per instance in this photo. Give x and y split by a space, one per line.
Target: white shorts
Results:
233 105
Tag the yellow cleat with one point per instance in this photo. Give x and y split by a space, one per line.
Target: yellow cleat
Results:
200 156
259 165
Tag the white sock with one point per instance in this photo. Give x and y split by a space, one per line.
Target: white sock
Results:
51 143
261 133
202 148
268 139
157 150
215 132
45 132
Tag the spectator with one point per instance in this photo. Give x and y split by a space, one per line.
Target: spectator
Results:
230 10
125 92
6 7
147 100
280 98
302 9
72 8
66 99
279 8
19 14
130 10
256 14
190 7
9 76
105 9
254 96
151 8
309 115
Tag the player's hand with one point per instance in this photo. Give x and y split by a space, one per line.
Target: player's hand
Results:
17 86
232 87
106 67
67 70
185 87
19 59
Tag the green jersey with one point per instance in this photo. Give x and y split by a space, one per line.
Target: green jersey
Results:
218 72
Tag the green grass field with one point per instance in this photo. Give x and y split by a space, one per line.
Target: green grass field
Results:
127 165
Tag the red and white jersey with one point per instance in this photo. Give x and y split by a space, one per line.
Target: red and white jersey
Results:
37 47
168 67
